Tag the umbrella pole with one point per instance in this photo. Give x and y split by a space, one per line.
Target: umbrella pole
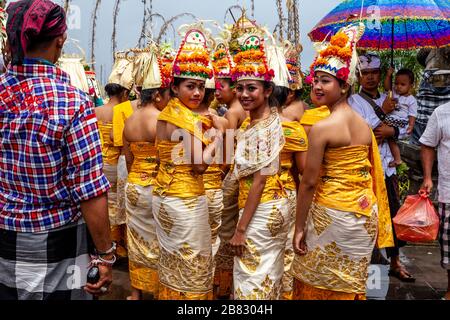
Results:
392 43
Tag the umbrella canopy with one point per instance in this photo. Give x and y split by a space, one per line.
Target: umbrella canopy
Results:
391 24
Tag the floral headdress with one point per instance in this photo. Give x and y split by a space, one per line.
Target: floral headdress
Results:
166 58
339 57
193 60
251 60
222 61
292 54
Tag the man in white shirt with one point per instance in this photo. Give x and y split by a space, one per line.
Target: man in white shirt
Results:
437 134
373 107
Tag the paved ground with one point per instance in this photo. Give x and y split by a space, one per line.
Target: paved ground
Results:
421 260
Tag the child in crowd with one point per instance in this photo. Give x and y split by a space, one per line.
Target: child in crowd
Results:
405 111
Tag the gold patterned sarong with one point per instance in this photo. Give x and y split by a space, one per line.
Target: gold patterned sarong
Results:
215 207
180 209
340 246
223 278
344 222
143 247
184 234
257 274
212 179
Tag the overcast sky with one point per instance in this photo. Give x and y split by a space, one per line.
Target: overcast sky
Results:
131 14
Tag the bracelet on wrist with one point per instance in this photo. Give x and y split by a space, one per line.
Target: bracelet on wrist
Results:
111 250
97 260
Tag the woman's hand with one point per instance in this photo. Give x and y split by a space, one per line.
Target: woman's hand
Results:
299 242
219 123
237 242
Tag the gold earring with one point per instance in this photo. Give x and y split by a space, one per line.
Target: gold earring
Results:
158 99
343 91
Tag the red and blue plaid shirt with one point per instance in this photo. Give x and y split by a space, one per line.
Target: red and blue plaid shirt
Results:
50 150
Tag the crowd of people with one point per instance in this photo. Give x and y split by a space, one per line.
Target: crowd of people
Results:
265 199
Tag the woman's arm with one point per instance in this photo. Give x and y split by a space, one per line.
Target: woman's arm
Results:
254 197
318 142
300 161
127 152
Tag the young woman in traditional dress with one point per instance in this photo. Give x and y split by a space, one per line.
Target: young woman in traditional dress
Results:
342 198
260 236
179 203
140 151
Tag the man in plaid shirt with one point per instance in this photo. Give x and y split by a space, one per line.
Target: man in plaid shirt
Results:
53 204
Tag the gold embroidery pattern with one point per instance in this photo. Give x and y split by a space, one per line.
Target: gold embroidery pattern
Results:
267 290
141 251
331 269
214 224
186 270
288 280
371 225
215 208
191 203
320 218
132 194
251 257
275 222
165 220
186 251
210 196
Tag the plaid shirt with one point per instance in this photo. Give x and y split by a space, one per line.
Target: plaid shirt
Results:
50 151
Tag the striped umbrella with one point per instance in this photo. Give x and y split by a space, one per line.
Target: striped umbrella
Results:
391 24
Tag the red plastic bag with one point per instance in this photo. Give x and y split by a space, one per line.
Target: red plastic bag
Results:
416 220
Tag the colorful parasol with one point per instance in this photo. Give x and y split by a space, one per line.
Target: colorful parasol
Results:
391 24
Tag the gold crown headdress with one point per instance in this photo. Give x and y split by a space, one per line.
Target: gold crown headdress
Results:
222 61
251 60
192 60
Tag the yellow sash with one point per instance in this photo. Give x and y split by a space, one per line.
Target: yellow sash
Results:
181 116
311 116
296 141
110 153
385 237
121 112
143 170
